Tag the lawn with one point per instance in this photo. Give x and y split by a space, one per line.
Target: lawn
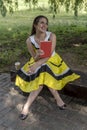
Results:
71 36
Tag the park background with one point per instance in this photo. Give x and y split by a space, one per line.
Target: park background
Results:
71 32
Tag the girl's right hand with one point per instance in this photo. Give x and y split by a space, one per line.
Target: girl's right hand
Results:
38 54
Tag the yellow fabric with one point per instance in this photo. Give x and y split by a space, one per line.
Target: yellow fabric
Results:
57 66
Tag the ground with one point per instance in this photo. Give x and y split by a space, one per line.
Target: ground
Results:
71 60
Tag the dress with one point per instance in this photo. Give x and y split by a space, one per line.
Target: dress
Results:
54 73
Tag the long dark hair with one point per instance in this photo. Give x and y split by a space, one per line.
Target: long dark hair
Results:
35 22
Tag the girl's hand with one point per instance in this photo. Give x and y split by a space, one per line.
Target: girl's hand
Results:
32 68
41 52
38 54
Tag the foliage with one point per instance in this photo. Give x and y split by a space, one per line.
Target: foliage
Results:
8 6
74 4
55 6
12 5
30 2
3 8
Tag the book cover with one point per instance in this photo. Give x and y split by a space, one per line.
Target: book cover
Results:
46 46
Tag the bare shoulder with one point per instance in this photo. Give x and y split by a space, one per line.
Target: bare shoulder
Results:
53 36
28 41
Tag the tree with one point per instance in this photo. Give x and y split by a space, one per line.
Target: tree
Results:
67 5
8 6
12 5
31 2
55 5
3 8
75 4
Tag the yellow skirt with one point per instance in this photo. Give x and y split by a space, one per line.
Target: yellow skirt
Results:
54 74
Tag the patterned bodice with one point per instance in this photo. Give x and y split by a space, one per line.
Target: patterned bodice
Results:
35 44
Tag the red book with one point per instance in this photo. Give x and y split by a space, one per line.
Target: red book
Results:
46 47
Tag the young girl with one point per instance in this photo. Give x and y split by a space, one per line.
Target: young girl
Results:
50 71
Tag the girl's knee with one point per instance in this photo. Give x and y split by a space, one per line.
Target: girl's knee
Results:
52 90
40 87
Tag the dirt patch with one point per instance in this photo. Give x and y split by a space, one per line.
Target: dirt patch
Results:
72 61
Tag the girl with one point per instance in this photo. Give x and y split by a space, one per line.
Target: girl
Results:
50 71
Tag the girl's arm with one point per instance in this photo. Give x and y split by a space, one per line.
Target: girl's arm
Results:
33 53
30 48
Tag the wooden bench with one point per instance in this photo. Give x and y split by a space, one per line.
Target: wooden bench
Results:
77 88
13 75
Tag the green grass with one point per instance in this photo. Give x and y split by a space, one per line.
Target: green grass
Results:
15 28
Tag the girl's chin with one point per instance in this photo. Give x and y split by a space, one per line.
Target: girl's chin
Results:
43 31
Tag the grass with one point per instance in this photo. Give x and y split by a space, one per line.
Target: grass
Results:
14 30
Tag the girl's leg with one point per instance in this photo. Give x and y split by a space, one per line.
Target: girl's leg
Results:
30 100
57 97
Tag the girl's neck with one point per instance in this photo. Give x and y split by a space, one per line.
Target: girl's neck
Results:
40 36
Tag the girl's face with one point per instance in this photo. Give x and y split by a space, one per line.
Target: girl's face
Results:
42 25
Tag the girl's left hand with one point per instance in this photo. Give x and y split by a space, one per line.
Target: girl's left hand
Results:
32 68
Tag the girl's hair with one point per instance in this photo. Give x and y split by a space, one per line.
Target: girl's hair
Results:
35 22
